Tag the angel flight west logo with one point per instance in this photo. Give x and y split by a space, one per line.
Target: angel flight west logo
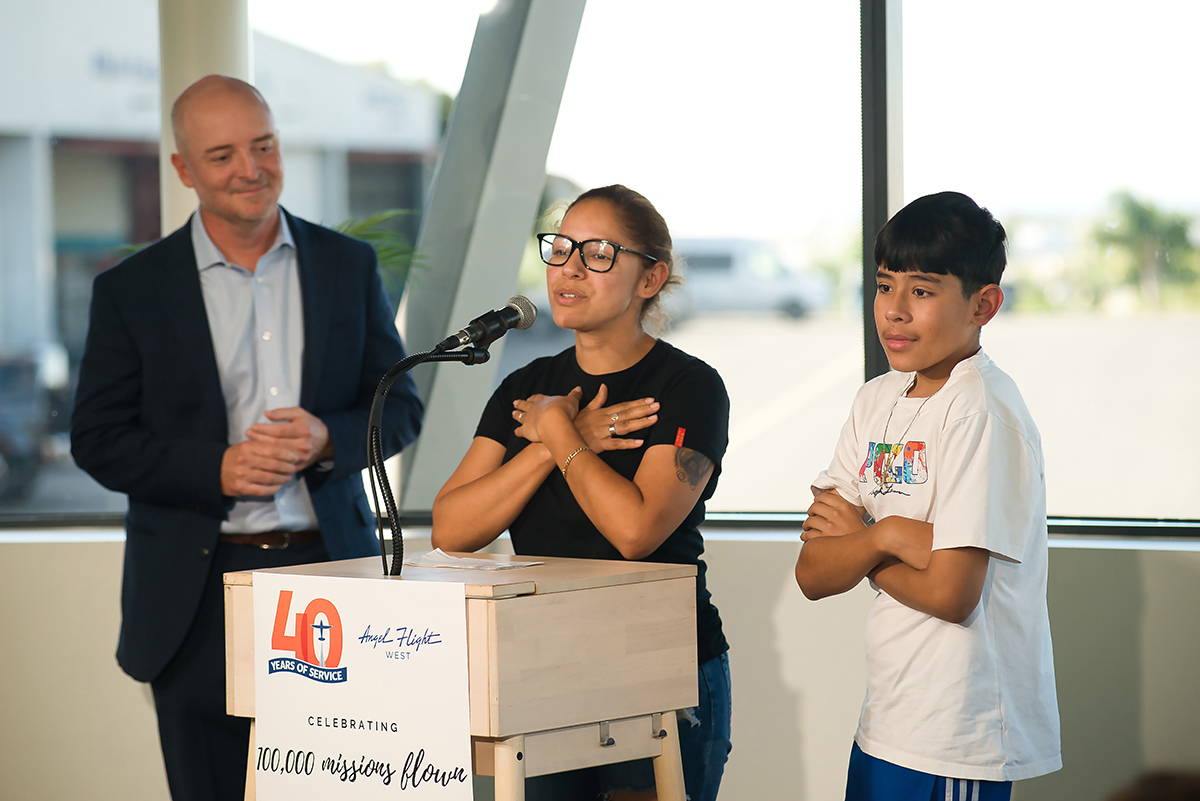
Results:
316 640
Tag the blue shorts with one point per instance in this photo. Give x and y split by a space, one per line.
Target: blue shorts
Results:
703 743
871 779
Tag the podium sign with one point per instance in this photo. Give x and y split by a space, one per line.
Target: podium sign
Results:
360 689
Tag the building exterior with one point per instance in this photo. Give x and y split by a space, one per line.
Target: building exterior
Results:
79 168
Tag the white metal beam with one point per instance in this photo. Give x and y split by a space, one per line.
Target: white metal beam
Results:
481 210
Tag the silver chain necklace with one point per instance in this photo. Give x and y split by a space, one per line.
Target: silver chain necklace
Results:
883 479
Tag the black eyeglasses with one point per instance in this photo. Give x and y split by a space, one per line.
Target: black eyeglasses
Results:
598 254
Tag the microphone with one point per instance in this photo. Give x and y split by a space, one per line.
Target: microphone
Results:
485 329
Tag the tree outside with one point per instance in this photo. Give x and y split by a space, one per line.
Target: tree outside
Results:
1136 258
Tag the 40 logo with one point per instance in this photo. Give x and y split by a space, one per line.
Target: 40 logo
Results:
316 640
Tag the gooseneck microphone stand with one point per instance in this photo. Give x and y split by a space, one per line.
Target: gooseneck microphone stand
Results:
477 354
474 339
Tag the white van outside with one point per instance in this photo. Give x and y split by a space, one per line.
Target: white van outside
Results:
743 275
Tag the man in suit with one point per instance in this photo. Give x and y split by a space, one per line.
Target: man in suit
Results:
225 388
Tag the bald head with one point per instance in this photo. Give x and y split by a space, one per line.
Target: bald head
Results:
228 151
204 94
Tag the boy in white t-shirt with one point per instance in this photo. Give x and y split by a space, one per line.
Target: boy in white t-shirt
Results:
937 495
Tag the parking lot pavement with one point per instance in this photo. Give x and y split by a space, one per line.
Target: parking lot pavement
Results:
790 385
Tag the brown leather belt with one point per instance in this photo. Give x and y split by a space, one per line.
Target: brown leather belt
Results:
273 540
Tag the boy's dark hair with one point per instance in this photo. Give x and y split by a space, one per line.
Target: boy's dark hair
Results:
947 234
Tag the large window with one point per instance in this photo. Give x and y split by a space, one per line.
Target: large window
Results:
741 124
1074 124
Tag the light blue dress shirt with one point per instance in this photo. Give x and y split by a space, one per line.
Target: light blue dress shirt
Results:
257 324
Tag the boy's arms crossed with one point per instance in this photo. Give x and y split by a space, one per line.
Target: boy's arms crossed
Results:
840 551
949 588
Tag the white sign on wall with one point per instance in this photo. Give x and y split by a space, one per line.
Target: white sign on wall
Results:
360 689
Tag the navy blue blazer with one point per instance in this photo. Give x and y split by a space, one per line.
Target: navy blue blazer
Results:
149 418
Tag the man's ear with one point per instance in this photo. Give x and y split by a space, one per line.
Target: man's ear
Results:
653 280
181 168
988 301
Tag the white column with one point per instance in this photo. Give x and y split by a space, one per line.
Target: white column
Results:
27 302
195 38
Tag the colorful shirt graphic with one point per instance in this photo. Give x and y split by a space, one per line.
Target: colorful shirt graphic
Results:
889 466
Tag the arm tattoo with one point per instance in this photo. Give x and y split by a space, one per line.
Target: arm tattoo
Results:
691 467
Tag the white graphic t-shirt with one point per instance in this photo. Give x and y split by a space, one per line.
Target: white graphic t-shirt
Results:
974 700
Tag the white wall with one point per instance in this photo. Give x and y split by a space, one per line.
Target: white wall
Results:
317 101
1126 635
74 726
80 68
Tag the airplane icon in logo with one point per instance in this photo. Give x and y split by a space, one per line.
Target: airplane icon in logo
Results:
323 649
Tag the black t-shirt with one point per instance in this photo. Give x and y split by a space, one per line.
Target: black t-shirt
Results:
694 413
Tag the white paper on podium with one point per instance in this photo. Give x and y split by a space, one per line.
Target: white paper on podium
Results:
439 558
360 689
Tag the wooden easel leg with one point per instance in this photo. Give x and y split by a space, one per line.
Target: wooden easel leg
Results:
510 769
668 767
250 764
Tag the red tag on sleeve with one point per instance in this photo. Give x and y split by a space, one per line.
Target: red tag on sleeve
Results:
679 432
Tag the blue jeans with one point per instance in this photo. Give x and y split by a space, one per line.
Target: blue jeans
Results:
703 742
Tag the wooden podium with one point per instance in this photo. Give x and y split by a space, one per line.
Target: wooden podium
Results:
571 663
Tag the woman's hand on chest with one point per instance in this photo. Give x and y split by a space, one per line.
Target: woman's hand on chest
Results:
604 428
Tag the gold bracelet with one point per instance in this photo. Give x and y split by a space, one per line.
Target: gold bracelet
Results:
574 453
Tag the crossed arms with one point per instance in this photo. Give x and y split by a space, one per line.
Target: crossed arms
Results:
485 494
896 553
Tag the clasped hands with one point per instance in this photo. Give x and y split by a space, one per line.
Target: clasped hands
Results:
274 453
901 539
599 425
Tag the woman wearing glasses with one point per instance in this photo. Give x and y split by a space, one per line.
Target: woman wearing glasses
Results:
606 451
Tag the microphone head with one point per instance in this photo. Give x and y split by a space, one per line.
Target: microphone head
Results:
525 308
